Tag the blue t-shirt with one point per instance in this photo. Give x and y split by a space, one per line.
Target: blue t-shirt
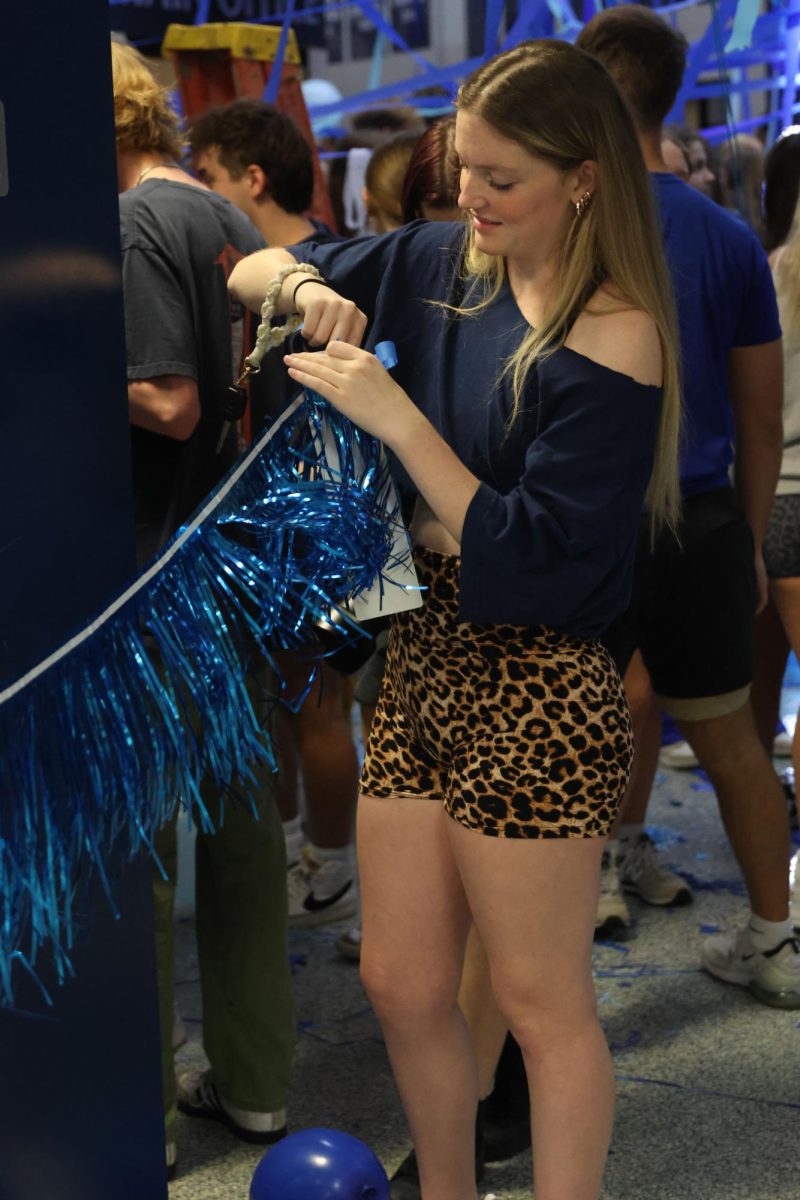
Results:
725 298
549 537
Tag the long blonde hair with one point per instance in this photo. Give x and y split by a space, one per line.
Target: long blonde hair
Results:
559 104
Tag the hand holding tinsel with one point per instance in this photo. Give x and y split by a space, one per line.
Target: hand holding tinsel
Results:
359 387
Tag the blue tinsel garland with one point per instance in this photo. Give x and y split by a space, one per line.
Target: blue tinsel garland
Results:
96 745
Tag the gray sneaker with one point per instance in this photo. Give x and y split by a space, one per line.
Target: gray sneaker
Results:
612 911
643 873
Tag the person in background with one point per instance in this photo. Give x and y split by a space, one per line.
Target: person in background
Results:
778 625
781 188
740 173
383 182
534 405
675 157
702 176
430 186
184 341
258 159
696 595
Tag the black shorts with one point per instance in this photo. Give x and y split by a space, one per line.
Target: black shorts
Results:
693 609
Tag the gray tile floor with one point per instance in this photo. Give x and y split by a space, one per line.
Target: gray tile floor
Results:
707 1078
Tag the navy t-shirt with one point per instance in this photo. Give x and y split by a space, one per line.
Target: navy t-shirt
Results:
725 298
549 537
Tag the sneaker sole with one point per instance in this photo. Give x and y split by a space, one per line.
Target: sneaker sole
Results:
323 916
679 900
349 950
221 1117
784 1000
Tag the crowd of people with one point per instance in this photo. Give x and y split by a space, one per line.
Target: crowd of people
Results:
596 451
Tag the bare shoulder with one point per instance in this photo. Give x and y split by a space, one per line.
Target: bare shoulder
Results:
617 336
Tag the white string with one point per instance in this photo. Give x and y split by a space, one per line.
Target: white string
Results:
267 334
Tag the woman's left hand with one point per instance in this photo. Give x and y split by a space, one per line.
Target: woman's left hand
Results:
359 387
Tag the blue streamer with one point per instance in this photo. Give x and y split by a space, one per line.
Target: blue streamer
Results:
273 83
96 743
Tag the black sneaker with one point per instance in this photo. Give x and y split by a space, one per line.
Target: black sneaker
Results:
198 1097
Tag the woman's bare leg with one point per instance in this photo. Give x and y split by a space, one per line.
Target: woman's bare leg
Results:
415 926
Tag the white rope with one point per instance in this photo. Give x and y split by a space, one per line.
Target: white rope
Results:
267 334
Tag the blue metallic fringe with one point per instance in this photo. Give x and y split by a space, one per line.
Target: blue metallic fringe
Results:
97 749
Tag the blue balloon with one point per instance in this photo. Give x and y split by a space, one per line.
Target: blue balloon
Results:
319 1164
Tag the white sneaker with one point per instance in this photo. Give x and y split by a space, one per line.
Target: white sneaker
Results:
642 873
612 911
679 756
772 976
794 889
320 893
349 944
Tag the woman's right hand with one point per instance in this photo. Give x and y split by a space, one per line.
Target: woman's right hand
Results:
327 316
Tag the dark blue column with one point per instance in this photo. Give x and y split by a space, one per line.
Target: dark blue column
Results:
80 1114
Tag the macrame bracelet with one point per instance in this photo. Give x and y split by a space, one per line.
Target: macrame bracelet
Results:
267 334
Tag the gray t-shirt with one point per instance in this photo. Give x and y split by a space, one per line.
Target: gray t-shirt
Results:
179 245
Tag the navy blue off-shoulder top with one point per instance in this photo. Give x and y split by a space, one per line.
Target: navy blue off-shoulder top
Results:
549 536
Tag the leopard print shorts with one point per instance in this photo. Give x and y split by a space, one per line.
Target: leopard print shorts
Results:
521 732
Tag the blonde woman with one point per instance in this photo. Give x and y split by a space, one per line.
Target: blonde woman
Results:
534 411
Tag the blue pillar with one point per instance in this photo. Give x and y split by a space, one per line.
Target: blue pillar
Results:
81 1108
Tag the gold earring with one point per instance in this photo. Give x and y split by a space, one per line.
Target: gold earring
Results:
582 204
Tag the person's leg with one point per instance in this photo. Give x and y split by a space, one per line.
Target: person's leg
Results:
413 940
785 596
322 881
770 651
541 972
166 847
752 804
487 1025
504 1113
328 762
763 955
248 1027
248 1024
